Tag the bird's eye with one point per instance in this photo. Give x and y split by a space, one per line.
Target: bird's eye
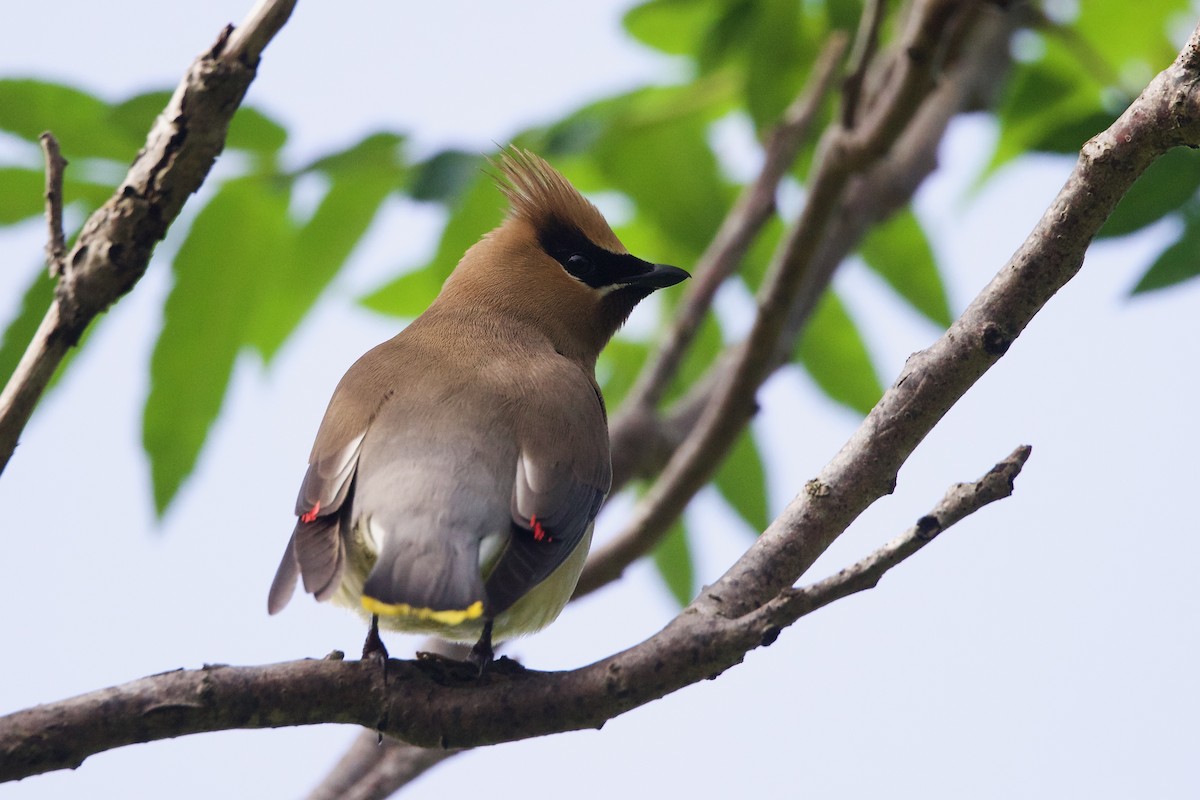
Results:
579 265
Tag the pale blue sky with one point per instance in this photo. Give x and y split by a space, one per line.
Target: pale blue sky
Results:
1046 647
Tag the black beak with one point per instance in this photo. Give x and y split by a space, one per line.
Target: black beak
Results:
659 276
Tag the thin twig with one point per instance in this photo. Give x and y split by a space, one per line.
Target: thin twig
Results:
960 501
866 42
56 241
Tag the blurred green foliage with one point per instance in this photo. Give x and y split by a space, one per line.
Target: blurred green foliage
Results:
250 268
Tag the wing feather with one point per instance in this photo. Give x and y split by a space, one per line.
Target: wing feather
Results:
562 476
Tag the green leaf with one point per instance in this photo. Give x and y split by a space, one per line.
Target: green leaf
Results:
742 481
253 131
758 257
618 367
80 121
1069 136
699 357
673 558
19 333
657 154
134 116
898 251
321 248
776 60
1179 262
727 36
21 197
1110 29
1042 100
1165 186
480 209
675 27
383 150
221 272
842 14
835 356
408 296
444 177
361 178
250 130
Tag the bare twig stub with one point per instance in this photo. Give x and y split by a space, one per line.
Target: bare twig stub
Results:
114 248
56 242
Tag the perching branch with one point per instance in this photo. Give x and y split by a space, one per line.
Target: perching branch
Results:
114 248
423 704
427 707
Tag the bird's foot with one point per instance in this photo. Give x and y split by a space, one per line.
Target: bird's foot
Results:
373 647
482 653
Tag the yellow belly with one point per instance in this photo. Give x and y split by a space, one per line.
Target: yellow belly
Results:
534 611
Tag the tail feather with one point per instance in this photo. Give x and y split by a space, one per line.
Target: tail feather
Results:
321 554
427 577
285 579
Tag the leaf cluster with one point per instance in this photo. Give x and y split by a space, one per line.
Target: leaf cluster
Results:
260 253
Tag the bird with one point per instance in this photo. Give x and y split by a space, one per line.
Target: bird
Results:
459 467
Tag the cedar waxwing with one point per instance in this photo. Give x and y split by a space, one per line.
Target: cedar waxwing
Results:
460 465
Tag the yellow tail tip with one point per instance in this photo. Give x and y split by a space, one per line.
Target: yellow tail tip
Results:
453 616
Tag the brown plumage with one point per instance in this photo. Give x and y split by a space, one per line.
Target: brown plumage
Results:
460 464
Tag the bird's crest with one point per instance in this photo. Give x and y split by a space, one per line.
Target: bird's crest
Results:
539 194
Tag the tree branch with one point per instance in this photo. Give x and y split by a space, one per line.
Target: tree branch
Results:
869 198
1165 115
842 154
114 247
429 708
372 769
865 42
638 414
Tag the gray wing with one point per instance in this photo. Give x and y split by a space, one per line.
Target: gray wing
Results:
316 553
562 476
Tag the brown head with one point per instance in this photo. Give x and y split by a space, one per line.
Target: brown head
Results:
554 262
